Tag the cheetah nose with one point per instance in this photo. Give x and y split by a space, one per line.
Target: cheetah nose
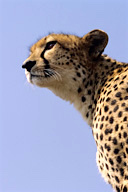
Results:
28 65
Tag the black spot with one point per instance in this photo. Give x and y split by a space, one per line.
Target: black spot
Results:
78 74
121 82
120 114
107 147
123 104
86 84
117 79
119 160
97 136
110 138
116 127
101 126
101 137
116 89
108 99
84 80
117 179
126 177
124 155
108 131
124 77
89 92
126 109
113 63
125 119
111 161
83 99
116 151
108 60
106 118
115 86
99 91
95 101
92 97
117 189
110 79
126 98
122 145
101 100
113 102
102 118
114 141
127 150
102 149
113 169
120 135
109 92
122 171
105 92
72 54
118 94
101 168
79 90
90 107
87 114
106 108
74 78
116 108
107 166
125 189
111 120
119 70
125 134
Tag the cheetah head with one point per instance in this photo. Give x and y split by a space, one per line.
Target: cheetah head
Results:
54 59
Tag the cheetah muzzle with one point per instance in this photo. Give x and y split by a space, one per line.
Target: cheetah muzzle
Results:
75 69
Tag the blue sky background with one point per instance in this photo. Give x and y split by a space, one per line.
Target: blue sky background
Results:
45 145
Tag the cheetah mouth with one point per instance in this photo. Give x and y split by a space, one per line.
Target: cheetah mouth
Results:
36 76
45 74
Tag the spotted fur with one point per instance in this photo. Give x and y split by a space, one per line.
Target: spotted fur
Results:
75 69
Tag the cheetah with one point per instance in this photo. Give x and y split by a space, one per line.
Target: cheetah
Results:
75 69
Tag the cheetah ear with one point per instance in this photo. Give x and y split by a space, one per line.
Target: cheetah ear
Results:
96 42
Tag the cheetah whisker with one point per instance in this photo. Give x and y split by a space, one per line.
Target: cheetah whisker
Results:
58 76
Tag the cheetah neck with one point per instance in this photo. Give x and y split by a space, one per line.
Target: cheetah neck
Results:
84 92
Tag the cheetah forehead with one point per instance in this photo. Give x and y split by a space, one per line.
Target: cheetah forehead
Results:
63 39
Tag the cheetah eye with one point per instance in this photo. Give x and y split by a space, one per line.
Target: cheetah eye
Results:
50 45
